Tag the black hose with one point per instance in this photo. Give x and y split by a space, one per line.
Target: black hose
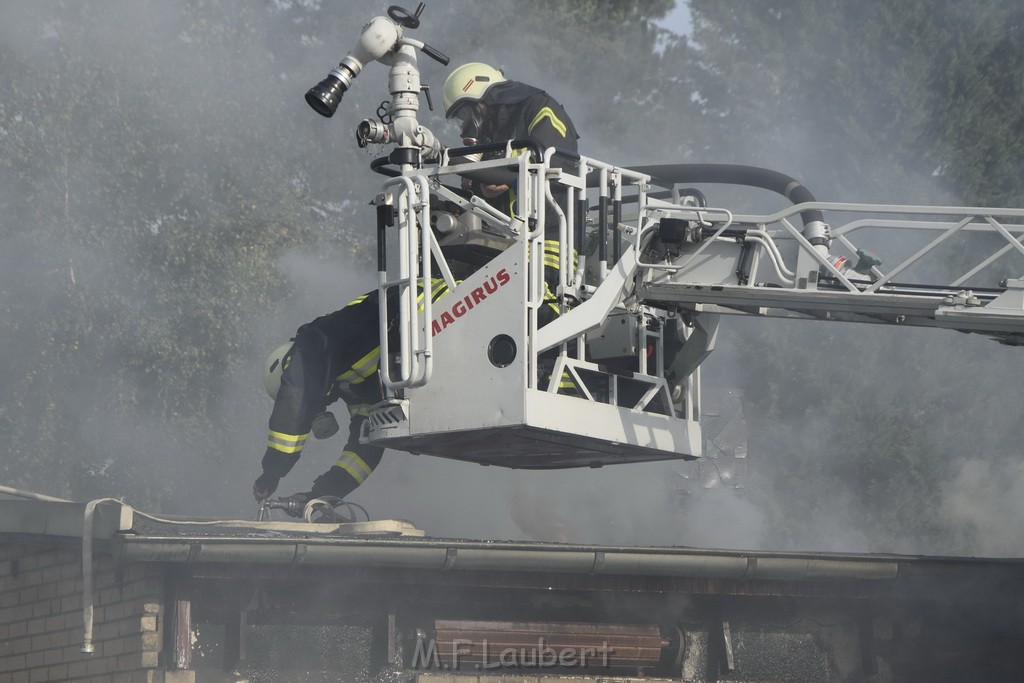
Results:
532 145
616 233
735 174
602 231
379 164
580 220
385 219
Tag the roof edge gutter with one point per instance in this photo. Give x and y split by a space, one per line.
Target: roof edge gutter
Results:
448 556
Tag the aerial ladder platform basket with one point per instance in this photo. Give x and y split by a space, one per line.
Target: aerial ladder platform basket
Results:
473 377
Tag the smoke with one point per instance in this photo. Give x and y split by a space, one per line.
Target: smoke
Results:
982 503
156 161
148 138
158 155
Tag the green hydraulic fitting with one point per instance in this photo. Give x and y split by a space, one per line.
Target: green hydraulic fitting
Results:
865 262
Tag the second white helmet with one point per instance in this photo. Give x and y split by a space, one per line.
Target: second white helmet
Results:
274 368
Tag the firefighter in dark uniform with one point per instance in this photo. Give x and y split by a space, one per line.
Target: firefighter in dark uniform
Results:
336 356
491 108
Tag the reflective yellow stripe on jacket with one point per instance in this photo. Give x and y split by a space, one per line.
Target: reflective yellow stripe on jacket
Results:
359 409
547 113
438 289
552 255
286 443
354 465
364 368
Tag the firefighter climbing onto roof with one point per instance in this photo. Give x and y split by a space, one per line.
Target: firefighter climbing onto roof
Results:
335 357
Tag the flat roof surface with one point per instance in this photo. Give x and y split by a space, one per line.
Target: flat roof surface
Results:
137 536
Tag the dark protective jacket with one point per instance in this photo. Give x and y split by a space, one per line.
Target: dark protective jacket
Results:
334 357
517 111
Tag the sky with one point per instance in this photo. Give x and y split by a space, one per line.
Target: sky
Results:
678 20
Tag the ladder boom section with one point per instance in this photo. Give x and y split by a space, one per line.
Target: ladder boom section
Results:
959 268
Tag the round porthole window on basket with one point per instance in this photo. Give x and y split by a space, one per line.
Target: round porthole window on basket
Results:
501 351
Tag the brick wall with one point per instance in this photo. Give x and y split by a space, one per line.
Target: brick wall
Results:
41 618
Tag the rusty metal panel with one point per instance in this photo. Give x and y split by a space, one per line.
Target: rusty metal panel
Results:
531 644
180 632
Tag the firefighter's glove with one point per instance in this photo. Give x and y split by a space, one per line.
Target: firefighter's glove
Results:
264 486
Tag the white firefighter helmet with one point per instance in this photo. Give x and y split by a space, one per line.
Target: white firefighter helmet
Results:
468 83
274 367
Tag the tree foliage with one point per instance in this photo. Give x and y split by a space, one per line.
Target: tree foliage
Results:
884 97
158 162
857 433
146 208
